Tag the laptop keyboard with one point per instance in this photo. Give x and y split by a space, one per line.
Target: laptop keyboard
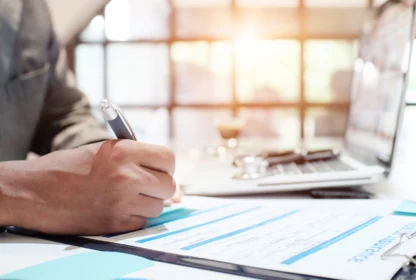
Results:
334 165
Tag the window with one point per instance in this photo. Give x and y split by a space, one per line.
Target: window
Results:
195 127
202 19
137 19
325 122
89 73
268 71
264 20
178 67
202 72
138 74
332 3
271 123
328 74
94 32
149 125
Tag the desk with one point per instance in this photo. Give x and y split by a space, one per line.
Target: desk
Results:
17 252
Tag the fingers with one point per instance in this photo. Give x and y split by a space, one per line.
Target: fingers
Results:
133 223
155 183
156 166
157 158
147 206
151 156
178 196
81 226
175 199
139 209
168 202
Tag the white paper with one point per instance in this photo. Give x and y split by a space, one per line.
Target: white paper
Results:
19 252
334 240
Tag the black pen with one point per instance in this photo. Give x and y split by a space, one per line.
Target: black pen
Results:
117 121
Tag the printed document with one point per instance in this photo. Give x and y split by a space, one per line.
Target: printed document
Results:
339 240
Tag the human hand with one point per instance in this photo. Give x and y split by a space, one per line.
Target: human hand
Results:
176 198
96 189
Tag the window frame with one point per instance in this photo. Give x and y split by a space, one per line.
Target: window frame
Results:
302 105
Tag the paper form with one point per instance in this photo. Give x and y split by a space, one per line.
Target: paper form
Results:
301 239
90 265
30 258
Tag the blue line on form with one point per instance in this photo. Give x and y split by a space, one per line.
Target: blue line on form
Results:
193 246
161 220
195 226
330 241
157 223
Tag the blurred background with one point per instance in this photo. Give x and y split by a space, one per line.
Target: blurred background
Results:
178 67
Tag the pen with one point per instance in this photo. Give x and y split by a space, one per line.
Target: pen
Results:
117 121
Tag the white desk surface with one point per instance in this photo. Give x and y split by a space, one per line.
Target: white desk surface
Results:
17 252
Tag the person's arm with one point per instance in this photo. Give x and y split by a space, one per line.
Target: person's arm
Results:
5 212
95 189
6 196
66 121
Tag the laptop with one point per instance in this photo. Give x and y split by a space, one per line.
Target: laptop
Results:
377 104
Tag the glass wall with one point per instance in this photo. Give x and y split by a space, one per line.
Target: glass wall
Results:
180 66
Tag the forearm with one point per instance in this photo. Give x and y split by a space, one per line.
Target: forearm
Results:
6 196
19 185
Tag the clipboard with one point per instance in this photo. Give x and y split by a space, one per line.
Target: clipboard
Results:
170 258
407 272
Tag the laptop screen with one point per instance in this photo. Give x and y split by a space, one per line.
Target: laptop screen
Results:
380 78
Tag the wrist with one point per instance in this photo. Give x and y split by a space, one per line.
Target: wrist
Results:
8 201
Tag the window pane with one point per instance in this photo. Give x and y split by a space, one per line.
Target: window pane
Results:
336 3
89 71
207 4
325 122
150 126
94 32
268 3
268 71
197 128
335 21
268 22
328 70
137 19
138 74
203 18
284 123
203 72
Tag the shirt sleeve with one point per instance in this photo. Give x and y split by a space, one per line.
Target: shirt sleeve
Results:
66 121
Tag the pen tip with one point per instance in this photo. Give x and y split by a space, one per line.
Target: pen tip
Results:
105 104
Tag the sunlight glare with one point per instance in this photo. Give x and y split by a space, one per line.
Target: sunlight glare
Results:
118 14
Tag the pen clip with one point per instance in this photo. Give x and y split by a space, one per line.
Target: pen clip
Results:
123 118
